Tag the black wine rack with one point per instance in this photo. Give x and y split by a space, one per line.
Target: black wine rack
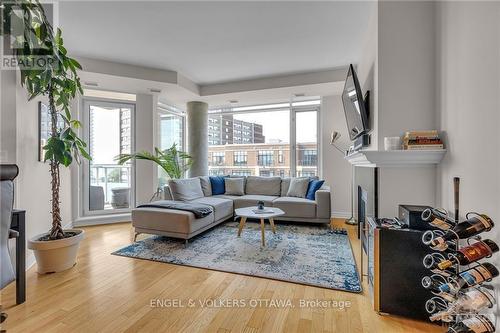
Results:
441 307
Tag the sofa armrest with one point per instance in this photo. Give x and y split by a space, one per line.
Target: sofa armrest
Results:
323 209
167 195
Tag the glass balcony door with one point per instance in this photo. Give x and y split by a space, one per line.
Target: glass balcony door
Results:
108 186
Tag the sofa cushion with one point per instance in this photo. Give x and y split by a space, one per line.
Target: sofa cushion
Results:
218 185
298 187
296 207
169 220
185 189
224 196
263 185
252 199
235 186
314 185
206 185
223 208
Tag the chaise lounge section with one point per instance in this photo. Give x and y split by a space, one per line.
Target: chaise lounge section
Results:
271 190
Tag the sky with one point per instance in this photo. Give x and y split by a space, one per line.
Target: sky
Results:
276 125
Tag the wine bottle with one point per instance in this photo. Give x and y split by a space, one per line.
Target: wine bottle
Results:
474 324
475 300
437 307
433 282
470 278
432 261
436 304
437 218
429 236
471 227
470 254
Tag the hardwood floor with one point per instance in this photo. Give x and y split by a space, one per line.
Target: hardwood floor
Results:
106 293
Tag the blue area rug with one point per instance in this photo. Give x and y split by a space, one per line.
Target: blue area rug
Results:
312 255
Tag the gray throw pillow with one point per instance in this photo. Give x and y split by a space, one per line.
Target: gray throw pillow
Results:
206 186
235 186
298 187
185 189
285 184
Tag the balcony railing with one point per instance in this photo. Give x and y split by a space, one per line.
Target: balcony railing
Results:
110 176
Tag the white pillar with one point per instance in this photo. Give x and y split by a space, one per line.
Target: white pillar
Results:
145 171
197 137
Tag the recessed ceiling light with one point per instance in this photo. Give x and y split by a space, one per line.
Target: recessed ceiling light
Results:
299 94
153 90
92 84
233 101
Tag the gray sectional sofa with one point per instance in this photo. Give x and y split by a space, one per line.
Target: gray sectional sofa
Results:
271 190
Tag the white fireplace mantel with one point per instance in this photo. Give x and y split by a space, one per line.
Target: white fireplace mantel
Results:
395 158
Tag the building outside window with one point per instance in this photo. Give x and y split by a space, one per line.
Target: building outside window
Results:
304 173
241 173
265 173
309 157
218 158
281 157
240 158
265 157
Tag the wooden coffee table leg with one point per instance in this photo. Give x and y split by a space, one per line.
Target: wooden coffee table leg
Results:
242 224
262 231
271 222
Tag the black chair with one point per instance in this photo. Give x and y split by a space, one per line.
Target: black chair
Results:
8 172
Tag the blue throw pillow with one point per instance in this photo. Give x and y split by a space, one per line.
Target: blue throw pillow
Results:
314 185
218 185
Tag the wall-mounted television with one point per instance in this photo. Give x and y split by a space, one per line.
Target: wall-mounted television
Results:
356 113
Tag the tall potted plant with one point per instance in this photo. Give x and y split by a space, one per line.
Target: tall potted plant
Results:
174 162
47 70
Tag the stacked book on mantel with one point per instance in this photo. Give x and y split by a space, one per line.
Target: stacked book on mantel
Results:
422 140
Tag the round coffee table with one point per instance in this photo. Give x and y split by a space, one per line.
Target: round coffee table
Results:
248 213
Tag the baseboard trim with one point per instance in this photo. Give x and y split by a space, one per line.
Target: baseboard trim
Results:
102 219
341 215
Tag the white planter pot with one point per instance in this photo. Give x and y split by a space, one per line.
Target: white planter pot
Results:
56 255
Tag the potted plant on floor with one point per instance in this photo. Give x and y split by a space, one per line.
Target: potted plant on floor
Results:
174 162
47 70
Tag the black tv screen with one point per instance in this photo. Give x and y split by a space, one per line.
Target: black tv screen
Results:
354 106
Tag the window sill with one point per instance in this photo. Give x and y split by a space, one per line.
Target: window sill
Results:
102 219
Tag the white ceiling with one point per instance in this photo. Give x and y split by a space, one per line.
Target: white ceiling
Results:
211 42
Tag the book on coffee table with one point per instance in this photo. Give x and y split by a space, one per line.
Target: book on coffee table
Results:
262 211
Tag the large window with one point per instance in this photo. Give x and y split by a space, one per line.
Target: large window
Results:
256 140
170 132
247 143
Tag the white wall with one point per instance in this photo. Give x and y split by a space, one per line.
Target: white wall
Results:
367 70
406 67
32 186
468 79
336 170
